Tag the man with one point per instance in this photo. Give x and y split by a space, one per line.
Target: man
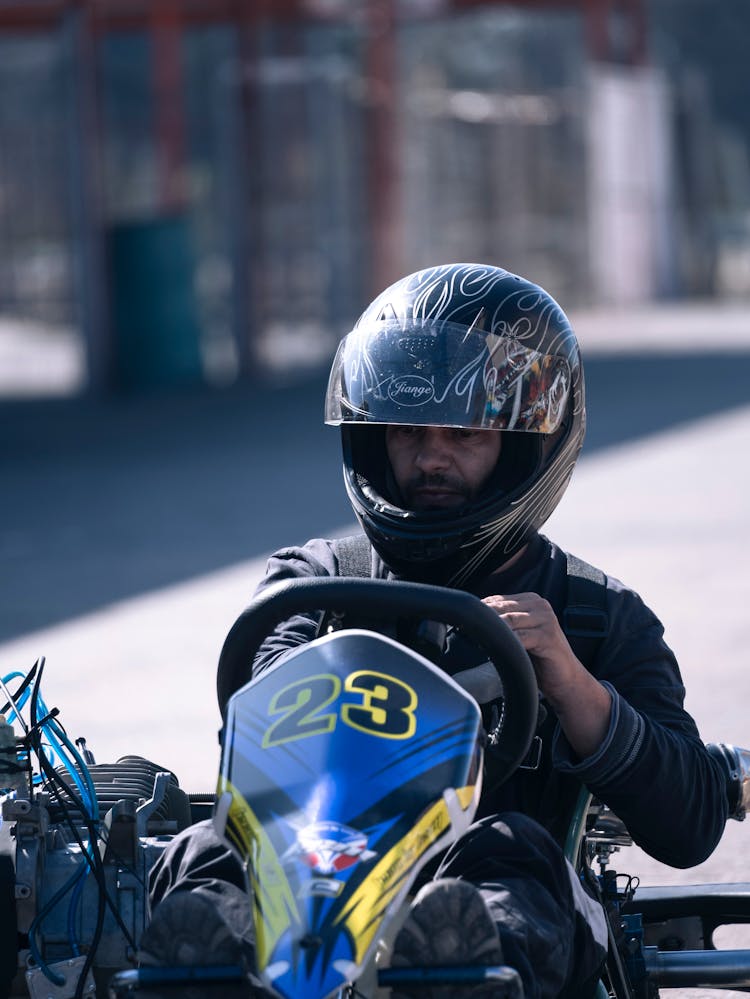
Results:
460 398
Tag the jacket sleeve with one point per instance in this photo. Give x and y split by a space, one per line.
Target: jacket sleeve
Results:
652 768
316 558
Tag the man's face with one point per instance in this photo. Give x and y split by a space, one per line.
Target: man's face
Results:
440 467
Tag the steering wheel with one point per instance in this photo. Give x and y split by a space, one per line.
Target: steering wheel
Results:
393 599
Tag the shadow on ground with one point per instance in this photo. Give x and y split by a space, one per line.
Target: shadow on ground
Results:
103 500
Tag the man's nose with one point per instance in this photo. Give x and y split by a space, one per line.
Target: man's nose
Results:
434 452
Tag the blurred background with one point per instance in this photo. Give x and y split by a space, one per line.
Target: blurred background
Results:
198 197
196 191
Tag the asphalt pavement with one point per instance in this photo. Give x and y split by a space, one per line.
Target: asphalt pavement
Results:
133 531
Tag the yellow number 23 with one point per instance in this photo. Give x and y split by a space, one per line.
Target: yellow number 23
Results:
385 707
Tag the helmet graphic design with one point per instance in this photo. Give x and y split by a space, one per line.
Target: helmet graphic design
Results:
467 346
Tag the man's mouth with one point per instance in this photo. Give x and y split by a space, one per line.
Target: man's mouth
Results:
437 498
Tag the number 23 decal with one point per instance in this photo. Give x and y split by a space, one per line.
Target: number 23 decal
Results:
384 707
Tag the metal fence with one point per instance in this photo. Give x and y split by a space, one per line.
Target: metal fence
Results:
301 174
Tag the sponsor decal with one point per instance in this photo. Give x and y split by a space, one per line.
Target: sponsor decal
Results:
329 847
410 390
275 907
365 908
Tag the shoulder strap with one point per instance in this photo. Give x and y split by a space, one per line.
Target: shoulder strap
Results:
353 555
585 619
353 558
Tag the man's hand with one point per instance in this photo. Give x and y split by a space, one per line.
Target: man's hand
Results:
580 702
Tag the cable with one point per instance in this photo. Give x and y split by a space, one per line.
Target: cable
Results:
26 680
72 787
97 867
57 737
40 916
92 808
82 777
75 898
94 859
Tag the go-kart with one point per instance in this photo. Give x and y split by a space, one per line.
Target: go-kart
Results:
342 774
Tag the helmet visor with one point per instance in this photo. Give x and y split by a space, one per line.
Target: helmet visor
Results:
447 375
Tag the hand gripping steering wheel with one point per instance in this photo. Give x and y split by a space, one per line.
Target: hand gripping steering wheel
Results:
390 599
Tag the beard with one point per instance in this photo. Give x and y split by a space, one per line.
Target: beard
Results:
435 492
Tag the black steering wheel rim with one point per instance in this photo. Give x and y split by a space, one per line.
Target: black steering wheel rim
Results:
393 599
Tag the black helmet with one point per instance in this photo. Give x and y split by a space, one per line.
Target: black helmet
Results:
460 345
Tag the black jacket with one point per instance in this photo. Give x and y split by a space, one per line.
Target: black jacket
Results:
652 769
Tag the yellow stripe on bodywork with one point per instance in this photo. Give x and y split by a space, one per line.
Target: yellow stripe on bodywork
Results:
273 899
364 912
466 795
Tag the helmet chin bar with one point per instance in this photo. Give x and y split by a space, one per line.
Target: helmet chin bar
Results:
424 553
435 545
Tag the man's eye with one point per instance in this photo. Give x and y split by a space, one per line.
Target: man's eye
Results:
465 434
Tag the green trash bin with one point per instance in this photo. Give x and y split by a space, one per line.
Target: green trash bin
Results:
156 328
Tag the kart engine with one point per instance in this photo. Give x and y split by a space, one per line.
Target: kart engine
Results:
63 904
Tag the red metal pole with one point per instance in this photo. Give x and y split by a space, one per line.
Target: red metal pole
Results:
639 19
166 33
382 144
597 16
600 15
